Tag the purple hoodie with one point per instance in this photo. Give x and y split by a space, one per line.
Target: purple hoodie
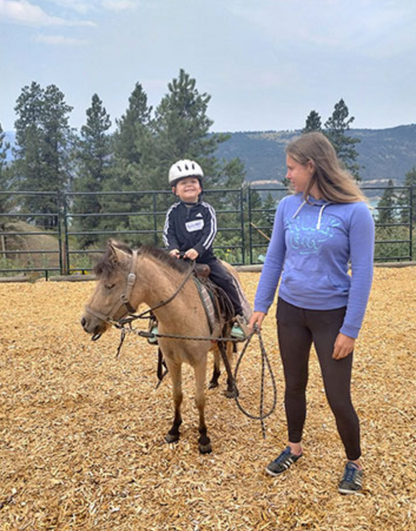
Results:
311 246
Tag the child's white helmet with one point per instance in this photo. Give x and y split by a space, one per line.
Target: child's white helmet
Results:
185 168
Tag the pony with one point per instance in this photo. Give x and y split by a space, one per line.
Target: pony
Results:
150 275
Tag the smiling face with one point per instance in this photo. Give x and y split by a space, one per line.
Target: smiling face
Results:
299 175
188 189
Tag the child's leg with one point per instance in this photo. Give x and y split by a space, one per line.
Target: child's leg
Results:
220 276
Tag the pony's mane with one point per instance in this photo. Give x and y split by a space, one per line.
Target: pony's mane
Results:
105 266
161 255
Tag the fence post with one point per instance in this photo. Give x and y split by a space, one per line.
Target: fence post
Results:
250 234
411 222
243 242
64 248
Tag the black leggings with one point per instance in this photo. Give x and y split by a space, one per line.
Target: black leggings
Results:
220 276
297 330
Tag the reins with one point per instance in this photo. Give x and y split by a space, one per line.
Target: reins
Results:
121 324
264 363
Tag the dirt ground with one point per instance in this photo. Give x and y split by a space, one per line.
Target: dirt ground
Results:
82 434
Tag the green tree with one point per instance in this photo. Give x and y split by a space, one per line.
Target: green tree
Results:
403 199
313 123
4 173
94 159
128 137
44 141
5 200
181 128
386 205
336 128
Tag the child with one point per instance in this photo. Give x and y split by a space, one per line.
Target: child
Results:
190 228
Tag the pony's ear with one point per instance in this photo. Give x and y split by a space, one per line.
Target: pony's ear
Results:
115 253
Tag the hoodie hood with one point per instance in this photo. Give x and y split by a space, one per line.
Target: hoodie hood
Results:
320 203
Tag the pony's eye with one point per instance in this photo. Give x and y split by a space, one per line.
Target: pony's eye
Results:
109 286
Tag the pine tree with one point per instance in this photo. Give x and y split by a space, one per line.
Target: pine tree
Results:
4 174
43 143
313 123
404 196
335 129
133 161
410 180
94 159
5 200
132 125
181 129
386 205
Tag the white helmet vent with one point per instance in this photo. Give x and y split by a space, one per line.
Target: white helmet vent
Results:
184 168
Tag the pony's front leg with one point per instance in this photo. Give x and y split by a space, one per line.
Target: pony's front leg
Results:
176 375
204 442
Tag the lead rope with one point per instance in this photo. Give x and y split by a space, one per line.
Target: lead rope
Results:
264 362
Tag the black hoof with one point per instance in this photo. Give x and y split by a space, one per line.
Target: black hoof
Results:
205 448
172 438
231 393
212 385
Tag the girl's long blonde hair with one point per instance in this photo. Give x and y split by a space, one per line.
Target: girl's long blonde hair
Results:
334 183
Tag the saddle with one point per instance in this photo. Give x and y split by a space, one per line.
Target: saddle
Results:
202 270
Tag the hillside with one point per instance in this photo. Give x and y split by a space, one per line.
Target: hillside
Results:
384 153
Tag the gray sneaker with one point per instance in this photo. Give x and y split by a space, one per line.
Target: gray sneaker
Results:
352 481
282 462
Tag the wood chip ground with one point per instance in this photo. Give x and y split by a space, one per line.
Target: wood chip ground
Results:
82 434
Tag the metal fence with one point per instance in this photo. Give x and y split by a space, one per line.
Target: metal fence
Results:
58 233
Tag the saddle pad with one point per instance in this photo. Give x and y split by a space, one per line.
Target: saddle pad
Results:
245 305
207 303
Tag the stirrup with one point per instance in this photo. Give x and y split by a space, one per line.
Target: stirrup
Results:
240 328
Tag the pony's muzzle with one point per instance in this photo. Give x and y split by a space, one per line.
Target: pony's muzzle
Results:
93 326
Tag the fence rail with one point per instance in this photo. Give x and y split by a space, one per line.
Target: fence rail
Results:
55 232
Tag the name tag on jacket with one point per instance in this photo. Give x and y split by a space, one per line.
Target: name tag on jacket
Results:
192 226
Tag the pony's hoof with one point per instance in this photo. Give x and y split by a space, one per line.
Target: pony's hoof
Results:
212 385
205 448
172 438
231 393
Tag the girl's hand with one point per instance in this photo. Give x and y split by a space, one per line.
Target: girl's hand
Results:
343 346
191 254
256 318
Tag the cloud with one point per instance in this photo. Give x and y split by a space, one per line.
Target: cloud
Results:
25 13
80 6
84 6
120 5
59 40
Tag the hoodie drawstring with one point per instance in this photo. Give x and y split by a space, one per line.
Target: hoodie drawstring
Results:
321 210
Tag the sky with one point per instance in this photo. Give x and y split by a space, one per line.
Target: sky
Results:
265 63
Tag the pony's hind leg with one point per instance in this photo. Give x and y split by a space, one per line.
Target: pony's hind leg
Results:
230 349
204 442
176 375
216 372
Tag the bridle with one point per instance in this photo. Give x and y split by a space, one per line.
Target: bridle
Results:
124 299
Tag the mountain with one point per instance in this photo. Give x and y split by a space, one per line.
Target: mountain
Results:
383 153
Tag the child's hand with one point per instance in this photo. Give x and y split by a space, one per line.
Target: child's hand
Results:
191 254
175 253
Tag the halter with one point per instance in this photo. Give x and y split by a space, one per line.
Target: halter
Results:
124 297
